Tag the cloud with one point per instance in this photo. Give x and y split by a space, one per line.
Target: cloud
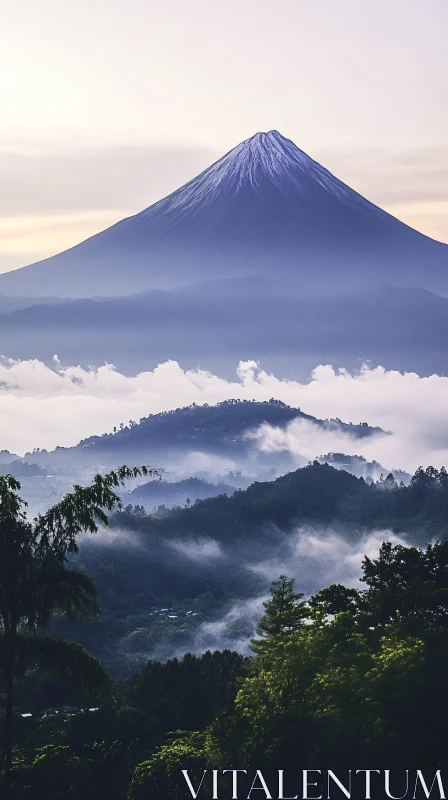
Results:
409 406
408 183
233 631
47 182
112 537
388 176
314 558
45 407
53 199
304 439
199 550
195 461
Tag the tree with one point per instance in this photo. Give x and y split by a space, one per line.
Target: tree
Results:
35 581
334 599
284 613
390 482
187 693
407 587
160 775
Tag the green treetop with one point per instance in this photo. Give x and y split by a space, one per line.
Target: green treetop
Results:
285 613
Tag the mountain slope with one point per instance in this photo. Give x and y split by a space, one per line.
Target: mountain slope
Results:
315 495
217 325
154 573
175 493
264 208
216 429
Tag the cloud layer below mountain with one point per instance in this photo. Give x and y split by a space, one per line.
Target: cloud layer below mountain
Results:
44 407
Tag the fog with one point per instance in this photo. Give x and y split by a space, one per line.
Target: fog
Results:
201 550
41 407
315 558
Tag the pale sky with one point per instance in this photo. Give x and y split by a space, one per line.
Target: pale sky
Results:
107 105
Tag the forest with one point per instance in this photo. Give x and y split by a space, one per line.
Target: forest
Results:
162 578
317 494
346 676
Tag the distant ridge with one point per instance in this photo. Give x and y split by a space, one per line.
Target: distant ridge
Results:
218 429
265 208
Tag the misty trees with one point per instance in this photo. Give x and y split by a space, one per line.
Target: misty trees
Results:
364 679
350 676
35 582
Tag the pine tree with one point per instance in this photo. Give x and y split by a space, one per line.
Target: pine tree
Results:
285 613
390 482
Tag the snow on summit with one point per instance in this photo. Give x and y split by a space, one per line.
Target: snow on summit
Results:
264 209
264 158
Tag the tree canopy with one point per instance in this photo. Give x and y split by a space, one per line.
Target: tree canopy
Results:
36 583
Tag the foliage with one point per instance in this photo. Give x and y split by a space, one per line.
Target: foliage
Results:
35 583
186 693
348 676
254 525
356 685
317 494
284 614
159 775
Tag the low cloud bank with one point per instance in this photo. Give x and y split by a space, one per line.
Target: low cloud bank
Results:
44 407
315 559
201 550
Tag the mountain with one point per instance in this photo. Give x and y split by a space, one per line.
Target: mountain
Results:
265 208
361 468
216 325
319 495
155 572
22 469
217 430
175 493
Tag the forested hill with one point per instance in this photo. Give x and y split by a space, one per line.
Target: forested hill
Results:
161 576
318 495
218 429
176 493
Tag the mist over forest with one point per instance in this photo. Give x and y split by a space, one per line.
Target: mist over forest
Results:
223 494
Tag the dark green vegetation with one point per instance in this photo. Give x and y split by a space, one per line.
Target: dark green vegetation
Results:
35 583
22 469
72 752
221 424
316 494
348 677
160 577
359 466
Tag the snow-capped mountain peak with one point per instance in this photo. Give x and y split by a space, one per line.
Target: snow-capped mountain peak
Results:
264 208
265 162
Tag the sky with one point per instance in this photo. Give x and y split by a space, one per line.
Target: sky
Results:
108 106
